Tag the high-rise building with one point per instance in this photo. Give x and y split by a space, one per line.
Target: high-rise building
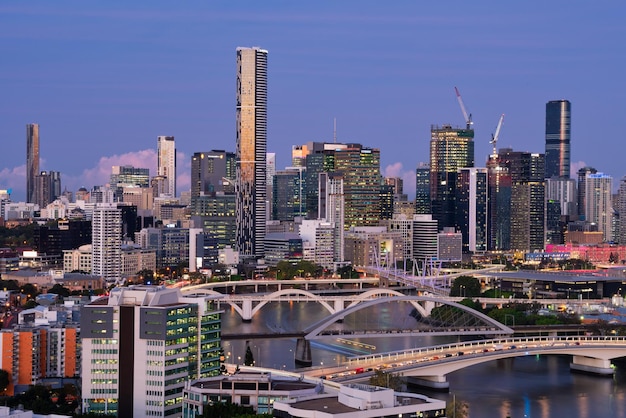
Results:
360 167
212 172
471 208
563 191
287 195
527 216
106 235
422 189
251 180
424 239
47 187
166 162
499 211
599 203
32 160
582 200
331 208
621 210
558 139
216 215
141 345
450 149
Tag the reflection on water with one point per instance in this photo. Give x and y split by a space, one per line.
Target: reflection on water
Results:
533 386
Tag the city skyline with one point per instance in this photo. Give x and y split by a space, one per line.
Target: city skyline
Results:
103 81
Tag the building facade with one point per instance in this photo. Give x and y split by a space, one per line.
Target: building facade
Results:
166 163
558 130
212 172
141 345
251 180
32 160
450 149
106 235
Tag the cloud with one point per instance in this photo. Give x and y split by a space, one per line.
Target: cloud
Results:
407 176
575 166
15 179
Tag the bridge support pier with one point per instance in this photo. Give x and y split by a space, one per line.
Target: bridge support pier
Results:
303 352
438 383
246 316
591 365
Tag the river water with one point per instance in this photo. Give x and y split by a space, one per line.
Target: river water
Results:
532 386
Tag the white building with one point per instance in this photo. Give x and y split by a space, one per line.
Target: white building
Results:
318 242
166 163
599 203
331 208
564 191
106 241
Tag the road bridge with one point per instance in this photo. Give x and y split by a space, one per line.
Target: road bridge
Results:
429 366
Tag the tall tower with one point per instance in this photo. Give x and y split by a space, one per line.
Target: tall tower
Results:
621 210
450 149
599 203
32 160
471 208
558 138
251 183
106 236
422 189
166 162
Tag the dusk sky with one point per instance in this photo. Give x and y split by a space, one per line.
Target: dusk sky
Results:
104 79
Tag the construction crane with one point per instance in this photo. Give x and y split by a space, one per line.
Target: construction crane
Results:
468 117
494 137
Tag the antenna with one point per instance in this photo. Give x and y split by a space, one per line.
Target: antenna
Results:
335 130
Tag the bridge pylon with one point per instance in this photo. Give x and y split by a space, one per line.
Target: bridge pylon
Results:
303 352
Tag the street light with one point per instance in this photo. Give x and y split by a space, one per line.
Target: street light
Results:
462 288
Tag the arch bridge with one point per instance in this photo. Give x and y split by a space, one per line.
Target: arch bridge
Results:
428 366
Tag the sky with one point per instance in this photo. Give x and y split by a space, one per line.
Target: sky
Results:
104 79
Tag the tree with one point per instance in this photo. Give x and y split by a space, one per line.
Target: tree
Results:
386 380
60 290
4 380
249 357
146 276
465 286
457 408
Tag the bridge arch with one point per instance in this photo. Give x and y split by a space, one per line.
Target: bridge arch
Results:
490 325
276 296
381 292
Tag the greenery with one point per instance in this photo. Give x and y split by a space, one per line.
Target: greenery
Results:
457 409
466 286
286 270
42 400
386 380
249 358
20 236
60 290
145 276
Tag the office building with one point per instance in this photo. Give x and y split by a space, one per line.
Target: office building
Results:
424 238
141 345
127 175
251 159
582 198
599 203
212 172
558 139
563 190
499 210
449 245
32 160
216 215
106 235
422 189
331 208
450 149
471 208
47 187
318 242
166 163
527 215
288 194
621 209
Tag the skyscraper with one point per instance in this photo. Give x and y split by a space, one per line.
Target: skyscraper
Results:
582 198
166 162
599 203
212 172
499 212
251 182
106 235
621 210
422 189
558 138
450 149
471 208
32 160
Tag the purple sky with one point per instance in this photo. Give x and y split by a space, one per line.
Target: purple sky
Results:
104 79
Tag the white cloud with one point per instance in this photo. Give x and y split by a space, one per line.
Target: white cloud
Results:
575 166
407 176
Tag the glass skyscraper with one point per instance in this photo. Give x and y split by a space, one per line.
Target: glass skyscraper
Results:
558 138
32 160
251 184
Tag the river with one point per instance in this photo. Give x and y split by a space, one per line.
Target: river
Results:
524 387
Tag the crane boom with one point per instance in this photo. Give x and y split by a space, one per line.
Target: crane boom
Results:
466 116
494 137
